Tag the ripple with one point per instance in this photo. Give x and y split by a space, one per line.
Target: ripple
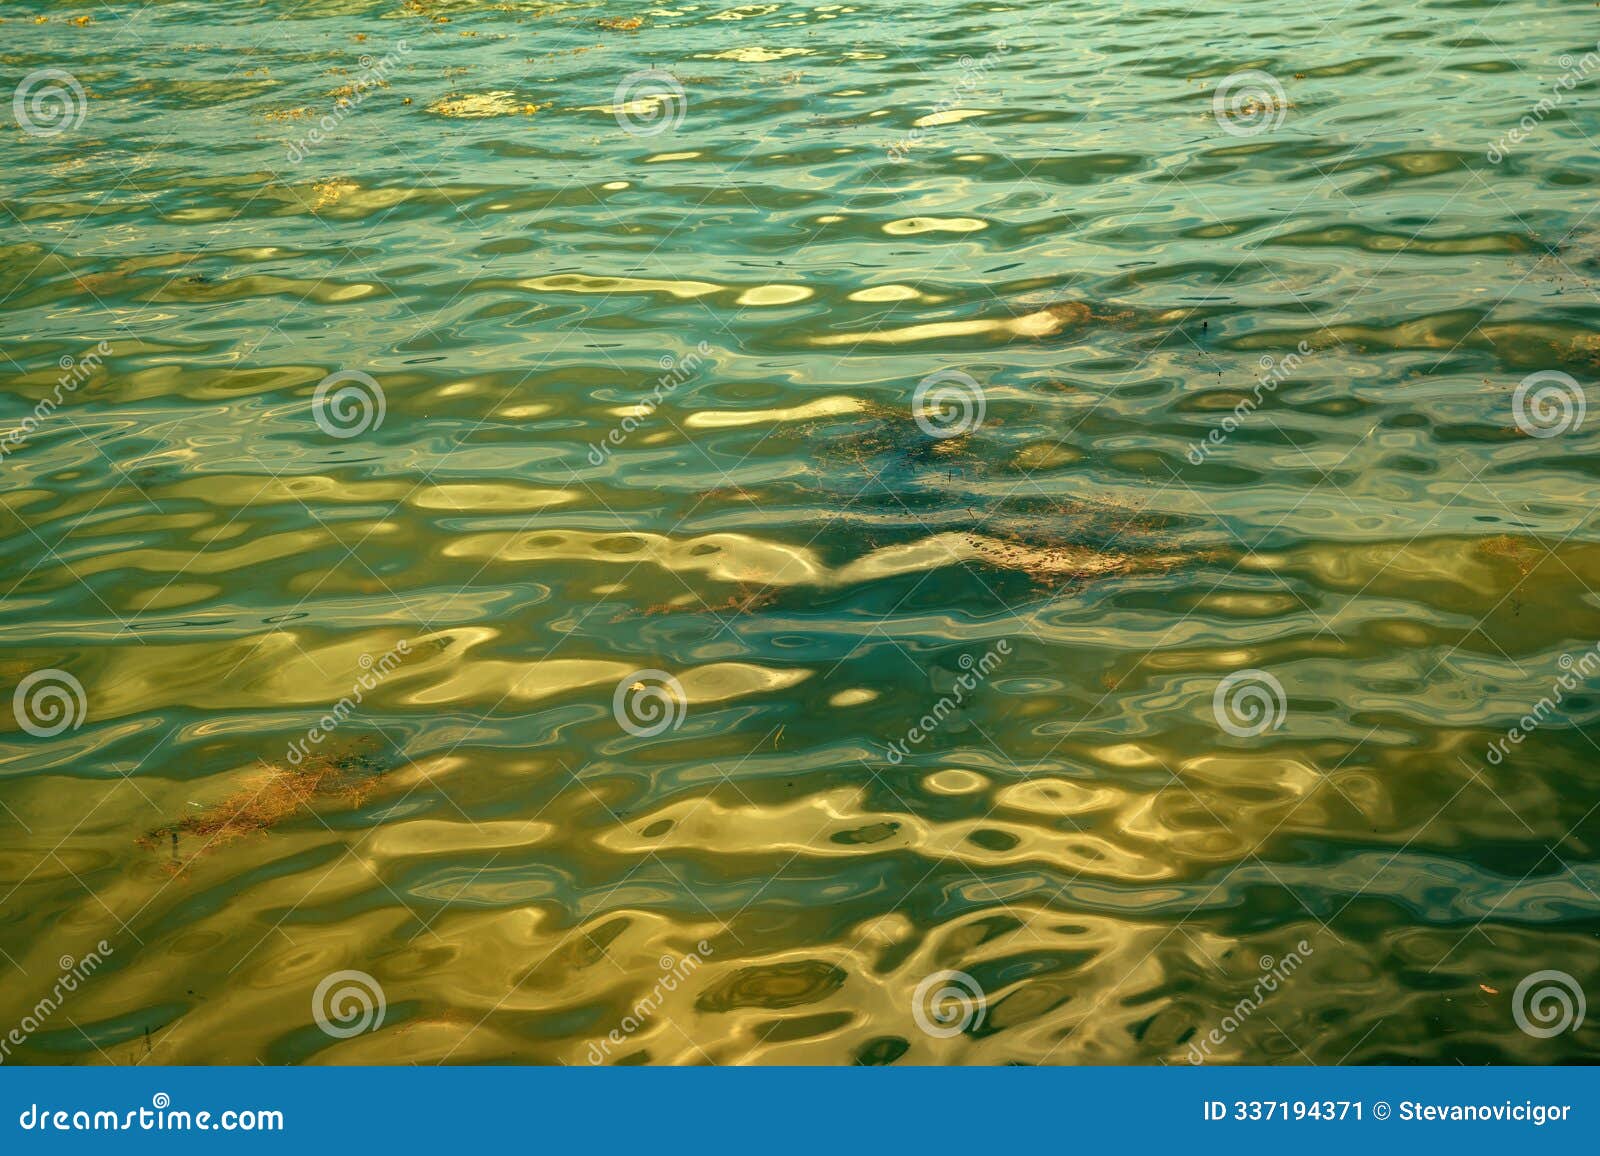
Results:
909 699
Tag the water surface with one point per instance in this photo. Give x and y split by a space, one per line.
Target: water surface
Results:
648 365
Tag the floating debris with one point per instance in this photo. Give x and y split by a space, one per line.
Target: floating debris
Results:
331 192
345 93
267 799
1518 551
425 9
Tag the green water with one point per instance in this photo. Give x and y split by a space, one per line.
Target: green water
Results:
648 350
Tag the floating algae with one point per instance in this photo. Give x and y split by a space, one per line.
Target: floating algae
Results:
1062 561
1055 541
270 798
890 445
895 436
331 192
440 11
1520 552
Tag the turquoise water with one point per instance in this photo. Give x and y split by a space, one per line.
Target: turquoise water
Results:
1158 648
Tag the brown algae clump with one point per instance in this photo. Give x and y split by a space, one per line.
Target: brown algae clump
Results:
1521 553
269 798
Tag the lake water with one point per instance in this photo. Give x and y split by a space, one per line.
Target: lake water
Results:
945 533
